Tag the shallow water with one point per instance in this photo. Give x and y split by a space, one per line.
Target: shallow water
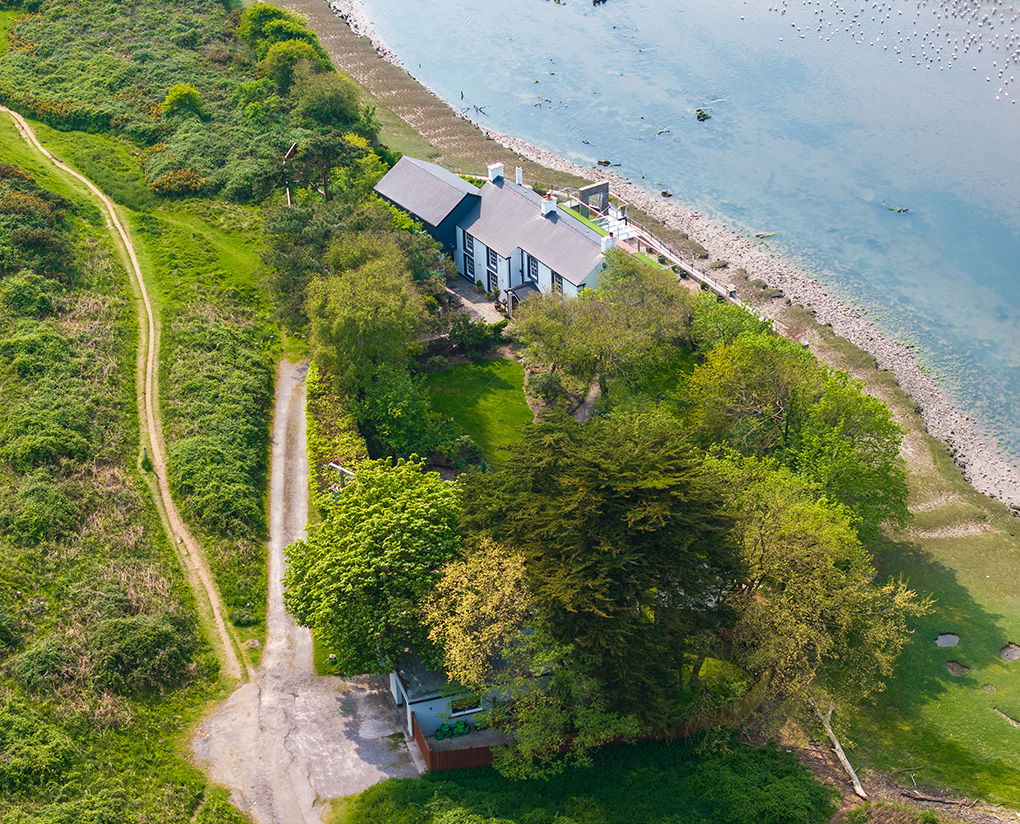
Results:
820 123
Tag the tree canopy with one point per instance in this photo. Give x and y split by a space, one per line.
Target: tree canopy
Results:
360 577
634 320
625 544
764 396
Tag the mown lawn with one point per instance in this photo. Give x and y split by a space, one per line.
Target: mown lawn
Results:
650 783
486 399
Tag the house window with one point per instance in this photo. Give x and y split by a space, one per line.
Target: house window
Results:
469 244
557 282
469 267
493 281
491 258
532 269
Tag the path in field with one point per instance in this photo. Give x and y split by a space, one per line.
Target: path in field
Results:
199 576
290 739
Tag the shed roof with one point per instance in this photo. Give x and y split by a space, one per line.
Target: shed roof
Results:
426 190
509 216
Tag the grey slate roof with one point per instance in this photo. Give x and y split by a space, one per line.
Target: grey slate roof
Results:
510 216
504 216
424 189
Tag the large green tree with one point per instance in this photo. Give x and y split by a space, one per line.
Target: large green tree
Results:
764 396
367 317
635 320
360 577
625 543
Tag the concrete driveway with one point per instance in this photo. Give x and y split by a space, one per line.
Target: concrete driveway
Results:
289 739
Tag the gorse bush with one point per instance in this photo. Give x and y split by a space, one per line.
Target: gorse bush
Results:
41 510
44 665
32 751
142 653
223 390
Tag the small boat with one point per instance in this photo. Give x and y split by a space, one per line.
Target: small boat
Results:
763 235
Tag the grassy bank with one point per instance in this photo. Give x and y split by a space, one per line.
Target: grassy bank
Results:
204 274
103 668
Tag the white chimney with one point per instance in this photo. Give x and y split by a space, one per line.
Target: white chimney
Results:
608 242
548 206
495 171
520 176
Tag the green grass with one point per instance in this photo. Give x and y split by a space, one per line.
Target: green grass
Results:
486 399
650 783
647 260
7 20
589 223
111 162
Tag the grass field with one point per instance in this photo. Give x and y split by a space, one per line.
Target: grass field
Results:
486 399
650 783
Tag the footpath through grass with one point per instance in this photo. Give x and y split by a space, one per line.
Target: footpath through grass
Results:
486 399
91 717
218 346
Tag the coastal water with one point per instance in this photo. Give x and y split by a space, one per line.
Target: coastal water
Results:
825 116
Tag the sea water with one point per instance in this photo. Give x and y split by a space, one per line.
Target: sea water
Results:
825 117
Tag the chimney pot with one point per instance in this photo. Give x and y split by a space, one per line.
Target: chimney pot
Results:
495 171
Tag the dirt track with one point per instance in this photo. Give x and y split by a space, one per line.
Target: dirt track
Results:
199 575
290 739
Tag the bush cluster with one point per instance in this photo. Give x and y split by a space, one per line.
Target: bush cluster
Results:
215 104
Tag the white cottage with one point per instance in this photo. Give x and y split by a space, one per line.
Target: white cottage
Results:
503 234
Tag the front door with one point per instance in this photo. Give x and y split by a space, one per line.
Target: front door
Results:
493 281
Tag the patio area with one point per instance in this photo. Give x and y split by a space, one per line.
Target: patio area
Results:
476 303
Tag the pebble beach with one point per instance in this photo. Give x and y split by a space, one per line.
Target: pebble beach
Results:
984 463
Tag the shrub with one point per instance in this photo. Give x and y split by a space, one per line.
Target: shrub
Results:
49 426
89 809
474 337
33 752
182 98
142 653
243 618
26 294
43 665
41 510
35 348
209 474
546 385
281 59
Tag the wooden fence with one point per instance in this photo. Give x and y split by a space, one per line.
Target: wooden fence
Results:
459 759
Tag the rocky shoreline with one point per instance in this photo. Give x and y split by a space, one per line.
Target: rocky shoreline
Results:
985 465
